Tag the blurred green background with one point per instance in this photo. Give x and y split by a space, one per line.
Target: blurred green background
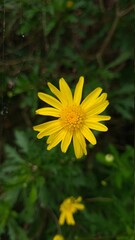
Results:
43 41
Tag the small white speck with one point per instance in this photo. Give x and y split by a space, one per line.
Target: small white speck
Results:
4 111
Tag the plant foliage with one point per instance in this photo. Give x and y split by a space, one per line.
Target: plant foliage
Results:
43 41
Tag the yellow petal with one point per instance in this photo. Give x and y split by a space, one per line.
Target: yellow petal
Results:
54 90
48 111
98 108
64 88
57 93
88 135
51 137
58 137
50 100
69 219
62 218
90 99
97 101
77 147
97 118
50 128
43 126
97 126
103 97
82 142
79 199
40 127
79 206
58 237
78 91
66 141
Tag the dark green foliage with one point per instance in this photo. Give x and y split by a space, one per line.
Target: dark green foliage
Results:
43 41
34 184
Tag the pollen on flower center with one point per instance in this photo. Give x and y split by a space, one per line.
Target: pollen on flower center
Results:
72 117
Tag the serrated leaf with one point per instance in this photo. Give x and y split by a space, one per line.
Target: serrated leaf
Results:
12 154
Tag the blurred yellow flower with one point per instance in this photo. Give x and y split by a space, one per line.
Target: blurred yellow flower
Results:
68 208
70 4
58 237
74 119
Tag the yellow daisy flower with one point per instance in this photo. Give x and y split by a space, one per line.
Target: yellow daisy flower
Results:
75 119
68 208
70 4
58 237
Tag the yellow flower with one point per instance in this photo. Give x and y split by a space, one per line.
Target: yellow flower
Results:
70 4
58 237
75 119
68 208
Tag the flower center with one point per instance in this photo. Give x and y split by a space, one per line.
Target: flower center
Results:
72 117
68 205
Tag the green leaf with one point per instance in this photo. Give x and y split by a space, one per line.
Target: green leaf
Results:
14 230
12 154
22 141
32 195
122 58
50 26
4 214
